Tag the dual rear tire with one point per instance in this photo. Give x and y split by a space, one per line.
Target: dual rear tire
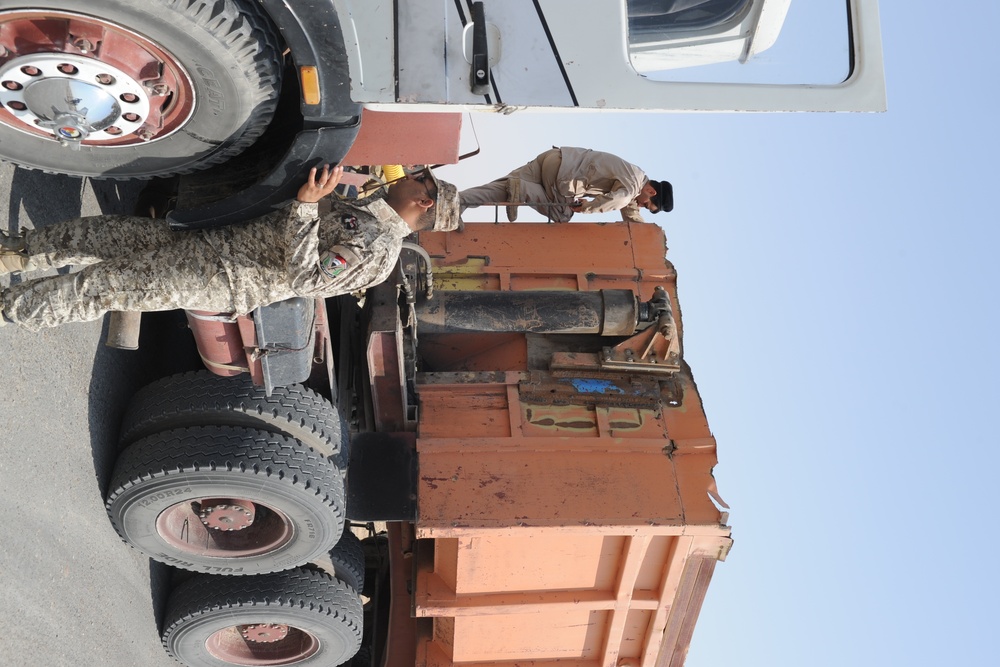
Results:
227 500
297 617
219 479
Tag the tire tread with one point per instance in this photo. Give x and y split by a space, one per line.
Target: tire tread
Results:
348 558
202 398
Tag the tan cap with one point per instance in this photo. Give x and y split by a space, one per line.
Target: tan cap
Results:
446 214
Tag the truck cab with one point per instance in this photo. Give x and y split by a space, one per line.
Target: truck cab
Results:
160 89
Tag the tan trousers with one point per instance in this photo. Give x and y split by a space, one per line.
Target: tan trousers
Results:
538 185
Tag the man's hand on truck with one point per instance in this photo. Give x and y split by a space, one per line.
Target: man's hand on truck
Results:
320 184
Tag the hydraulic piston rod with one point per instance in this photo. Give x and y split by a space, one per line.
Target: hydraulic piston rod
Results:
605 312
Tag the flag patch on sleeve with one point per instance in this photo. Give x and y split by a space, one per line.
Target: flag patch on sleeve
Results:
332 264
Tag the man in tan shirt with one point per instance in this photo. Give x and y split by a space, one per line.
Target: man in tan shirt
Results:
568 180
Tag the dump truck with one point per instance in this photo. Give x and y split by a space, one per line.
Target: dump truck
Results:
512 405
511 410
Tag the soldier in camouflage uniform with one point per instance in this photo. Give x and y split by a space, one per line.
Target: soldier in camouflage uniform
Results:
137 264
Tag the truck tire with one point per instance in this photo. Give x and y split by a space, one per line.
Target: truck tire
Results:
299 617
166 86
226 500
348 558
203 398
363 658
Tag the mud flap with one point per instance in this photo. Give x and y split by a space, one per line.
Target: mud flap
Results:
382 478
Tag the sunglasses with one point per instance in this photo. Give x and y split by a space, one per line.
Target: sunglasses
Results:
424 177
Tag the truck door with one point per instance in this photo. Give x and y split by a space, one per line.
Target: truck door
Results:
437 48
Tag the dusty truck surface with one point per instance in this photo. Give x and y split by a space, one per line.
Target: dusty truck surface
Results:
128 89
564 481
513 404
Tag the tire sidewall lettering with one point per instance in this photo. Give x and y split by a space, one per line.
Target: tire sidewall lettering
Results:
214 95
163 495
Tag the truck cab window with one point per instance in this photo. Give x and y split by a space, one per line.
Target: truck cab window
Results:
658 20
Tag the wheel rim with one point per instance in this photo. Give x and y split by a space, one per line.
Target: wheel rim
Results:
262 644
83 81
224 528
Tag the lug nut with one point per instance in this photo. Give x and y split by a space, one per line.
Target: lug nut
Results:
158 89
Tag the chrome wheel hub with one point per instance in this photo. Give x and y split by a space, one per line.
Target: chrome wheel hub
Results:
74 99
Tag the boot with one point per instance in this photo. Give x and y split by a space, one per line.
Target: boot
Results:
3 318
13 257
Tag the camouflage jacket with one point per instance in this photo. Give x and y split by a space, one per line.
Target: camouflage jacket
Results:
298 252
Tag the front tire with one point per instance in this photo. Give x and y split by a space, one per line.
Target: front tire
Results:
161 87
226 500
299 617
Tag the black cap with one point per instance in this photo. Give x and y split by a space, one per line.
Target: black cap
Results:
663 200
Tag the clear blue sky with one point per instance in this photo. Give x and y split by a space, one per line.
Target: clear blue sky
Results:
837 277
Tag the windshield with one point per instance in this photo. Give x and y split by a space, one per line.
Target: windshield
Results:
657 20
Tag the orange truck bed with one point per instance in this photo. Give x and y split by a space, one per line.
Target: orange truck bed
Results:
565 493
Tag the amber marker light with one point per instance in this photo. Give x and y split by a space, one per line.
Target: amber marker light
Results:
310 84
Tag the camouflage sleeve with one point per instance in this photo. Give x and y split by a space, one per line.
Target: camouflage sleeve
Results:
317 268
301 232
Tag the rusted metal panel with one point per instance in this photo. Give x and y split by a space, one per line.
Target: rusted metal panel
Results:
529 249
572 256
323 368
560 487
554 599
386 373
474 352
687 604
590 387
483 412
569 500
385 360
406 138
402 640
